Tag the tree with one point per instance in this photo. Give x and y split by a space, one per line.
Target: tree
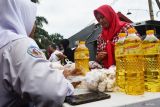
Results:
35 1
40 21
56 38
41 36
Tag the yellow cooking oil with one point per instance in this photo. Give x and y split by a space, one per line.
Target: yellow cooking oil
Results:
134 67
119 57
81 56
151 63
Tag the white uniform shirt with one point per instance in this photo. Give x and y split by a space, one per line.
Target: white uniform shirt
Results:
25 71
54 57
25 75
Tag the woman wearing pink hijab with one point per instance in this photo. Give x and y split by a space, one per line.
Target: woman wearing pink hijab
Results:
111 27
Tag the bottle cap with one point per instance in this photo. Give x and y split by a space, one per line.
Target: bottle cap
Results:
82 42
131 30
149 32
122 35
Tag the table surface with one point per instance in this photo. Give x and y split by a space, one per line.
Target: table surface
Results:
121 99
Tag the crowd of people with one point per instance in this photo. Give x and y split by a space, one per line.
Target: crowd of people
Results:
26 79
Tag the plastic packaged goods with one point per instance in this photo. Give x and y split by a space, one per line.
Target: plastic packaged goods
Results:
102 80
81 57
119 56
151 63
134 67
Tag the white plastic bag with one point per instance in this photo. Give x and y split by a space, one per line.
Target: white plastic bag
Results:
101 79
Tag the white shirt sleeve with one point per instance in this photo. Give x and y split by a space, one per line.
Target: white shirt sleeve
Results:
30 73
53 57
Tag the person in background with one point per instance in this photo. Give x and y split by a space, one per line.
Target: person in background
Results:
56 55
49 52
67 50
25 75
75 45
111 27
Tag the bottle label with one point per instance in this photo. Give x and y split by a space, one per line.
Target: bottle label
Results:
82 65
132 49
150 48
158 48
82 55
119 51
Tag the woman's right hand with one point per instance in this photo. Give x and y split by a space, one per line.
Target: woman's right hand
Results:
100 56
73 72
61 56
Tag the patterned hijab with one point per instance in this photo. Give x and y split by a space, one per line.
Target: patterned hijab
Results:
108 34
17 18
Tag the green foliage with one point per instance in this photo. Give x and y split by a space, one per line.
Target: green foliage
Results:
35 1
40 21
56 38
42 38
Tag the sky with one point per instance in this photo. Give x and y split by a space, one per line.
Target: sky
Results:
68 17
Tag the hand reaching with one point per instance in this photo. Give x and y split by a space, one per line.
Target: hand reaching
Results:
100 56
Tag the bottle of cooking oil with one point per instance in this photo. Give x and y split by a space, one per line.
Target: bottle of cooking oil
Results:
81 57
134 67
151 64
119 56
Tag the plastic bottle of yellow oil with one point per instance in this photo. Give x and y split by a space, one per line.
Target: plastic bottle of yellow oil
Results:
151 64
81 56
134 67
119 56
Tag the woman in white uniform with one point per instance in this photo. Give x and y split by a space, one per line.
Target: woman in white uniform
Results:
25 75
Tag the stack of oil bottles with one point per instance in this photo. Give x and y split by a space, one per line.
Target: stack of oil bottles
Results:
137 63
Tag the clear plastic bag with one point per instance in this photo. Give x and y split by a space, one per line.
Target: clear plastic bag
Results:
101 79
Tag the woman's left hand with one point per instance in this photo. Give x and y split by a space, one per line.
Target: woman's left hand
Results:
101 55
